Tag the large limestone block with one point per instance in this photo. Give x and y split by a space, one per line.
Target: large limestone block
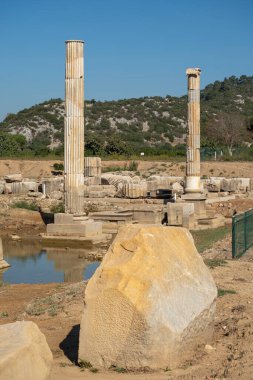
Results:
13 178
150 303
24 352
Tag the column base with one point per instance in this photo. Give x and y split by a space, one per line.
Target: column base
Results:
192 184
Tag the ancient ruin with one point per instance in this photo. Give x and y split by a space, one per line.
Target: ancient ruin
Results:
192 184
74 128
73 224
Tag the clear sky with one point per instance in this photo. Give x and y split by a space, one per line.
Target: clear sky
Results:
133 48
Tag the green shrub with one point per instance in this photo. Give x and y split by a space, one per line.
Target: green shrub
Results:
59 208
223 292
25 205
58 166
84 364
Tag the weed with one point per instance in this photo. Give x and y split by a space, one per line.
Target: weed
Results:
113 169
58 167
213 263
223 292
84 364
25 205
182 167
94 370
53 310
133 166
59 208
90 208
118 369
204 176
4 314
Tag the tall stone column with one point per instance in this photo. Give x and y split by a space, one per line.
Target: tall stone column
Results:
74 128
193 139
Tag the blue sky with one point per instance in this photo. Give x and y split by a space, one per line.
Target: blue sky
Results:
133 48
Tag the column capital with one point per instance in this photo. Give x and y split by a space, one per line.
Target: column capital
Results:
78 41
193 71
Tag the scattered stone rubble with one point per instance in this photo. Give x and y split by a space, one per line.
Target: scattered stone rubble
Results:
127 192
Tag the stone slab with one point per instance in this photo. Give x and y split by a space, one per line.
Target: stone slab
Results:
75 229
61 218
112 216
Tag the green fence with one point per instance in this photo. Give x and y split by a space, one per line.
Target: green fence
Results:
242 233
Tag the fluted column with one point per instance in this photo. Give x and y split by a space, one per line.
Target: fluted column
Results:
74 128
193 138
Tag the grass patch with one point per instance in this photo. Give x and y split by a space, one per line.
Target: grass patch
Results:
25 205
54 304
206 238
223 292
94 370
132 167
4 314
59 208
213 263
118 369
85 364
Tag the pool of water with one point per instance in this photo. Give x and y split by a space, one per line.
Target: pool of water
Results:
31 264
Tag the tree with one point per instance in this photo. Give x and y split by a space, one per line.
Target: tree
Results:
94 144
227 129
11 145
115 145
250 124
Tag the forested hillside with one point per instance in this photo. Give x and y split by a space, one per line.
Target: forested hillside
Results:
150 124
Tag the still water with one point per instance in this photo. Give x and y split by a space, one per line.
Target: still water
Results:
31 264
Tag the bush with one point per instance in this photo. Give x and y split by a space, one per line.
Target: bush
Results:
59 208
26 205
58 167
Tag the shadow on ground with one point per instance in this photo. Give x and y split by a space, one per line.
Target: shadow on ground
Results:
70 344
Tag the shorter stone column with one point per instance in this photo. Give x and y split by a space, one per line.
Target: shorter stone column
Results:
193 138
92 170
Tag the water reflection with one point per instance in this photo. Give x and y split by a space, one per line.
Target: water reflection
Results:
30 263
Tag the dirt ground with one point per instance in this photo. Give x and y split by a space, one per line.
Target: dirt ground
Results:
57 309
43 168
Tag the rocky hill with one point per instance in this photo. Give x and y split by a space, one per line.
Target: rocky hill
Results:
144 122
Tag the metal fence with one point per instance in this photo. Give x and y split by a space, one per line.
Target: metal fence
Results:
242 233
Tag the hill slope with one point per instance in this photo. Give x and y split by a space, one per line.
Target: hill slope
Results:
148 121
